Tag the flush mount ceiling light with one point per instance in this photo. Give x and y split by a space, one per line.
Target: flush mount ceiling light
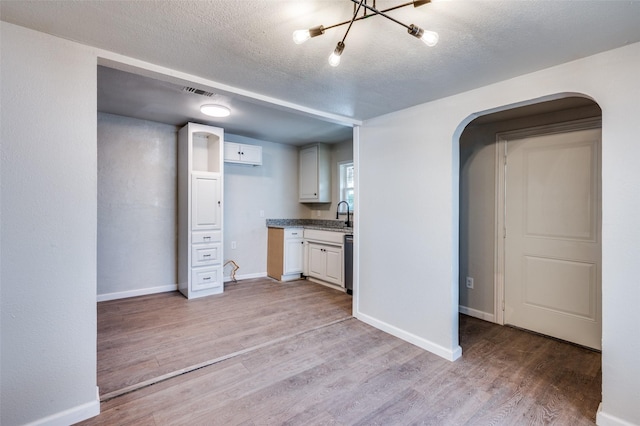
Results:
430 38
213 110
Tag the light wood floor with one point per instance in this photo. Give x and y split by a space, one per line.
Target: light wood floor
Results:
142 338
344 373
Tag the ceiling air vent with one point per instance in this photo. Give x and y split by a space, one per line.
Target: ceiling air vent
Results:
197 91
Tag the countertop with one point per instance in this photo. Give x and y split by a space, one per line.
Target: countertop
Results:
323 225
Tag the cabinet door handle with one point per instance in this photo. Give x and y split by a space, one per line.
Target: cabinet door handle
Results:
206 278
206 238
206 255
218 202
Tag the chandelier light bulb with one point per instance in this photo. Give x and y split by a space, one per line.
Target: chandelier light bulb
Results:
300 36
334 58
430 38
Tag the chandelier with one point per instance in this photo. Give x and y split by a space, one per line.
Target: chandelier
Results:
430 38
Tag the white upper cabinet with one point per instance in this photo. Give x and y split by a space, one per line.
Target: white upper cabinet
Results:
242 154
314 174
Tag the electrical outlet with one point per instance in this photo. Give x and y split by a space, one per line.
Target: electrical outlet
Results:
469 282
261 213
233 245
318 213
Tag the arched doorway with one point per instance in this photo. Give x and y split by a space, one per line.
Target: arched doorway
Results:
481 267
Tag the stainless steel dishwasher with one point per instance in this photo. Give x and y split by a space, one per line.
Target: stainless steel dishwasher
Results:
348 263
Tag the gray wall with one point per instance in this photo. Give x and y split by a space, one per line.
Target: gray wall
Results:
137 198
248 190
136 206
478 201
48 229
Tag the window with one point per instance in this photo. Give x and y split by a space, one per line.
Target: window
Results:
346 183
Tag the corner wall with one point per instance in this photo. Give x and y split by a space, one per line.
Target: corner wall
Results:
137 207
48 229
408 282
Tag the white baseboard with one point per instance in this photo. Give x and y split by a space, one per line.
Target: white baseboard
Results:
72 415
604 419
246 276
137 292
448 354
164 288
477 314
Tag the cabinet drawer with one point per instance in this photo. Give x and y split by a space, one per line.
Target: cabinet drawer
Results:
206 254
293 233
206 278
202 237
330 237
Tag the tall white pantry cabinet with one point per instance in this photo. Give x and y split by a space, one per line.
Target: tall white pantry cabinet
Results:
200 198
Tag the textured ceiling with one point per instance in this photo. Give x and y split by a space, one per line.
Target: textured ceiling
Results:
247 43
133 95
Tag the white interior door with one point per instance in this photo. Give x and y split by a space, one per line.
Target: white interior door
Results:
552 244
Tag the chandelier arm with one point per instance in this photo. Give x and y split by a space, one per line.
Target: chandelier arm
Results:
360 18
382 13
353 19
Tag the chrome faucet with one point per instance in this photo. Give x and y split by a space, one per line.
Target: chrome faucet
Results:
348 222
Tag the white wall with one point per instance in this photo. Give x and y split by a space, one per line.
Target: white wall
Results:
48 246
478 201
137 210
271 188
409 265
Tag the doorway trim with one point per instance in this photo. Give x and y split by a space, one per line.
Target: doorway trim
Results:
500 186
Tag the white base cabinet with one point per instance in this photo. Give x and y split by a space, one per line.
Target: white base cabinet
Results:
324 256
325 263
285 253
200 197
293 253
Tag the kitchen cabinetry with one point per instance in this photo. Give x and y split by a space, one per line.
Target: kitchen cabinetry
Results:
324 256
242 154
314 174
200 219
285 253
206 201
325 263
